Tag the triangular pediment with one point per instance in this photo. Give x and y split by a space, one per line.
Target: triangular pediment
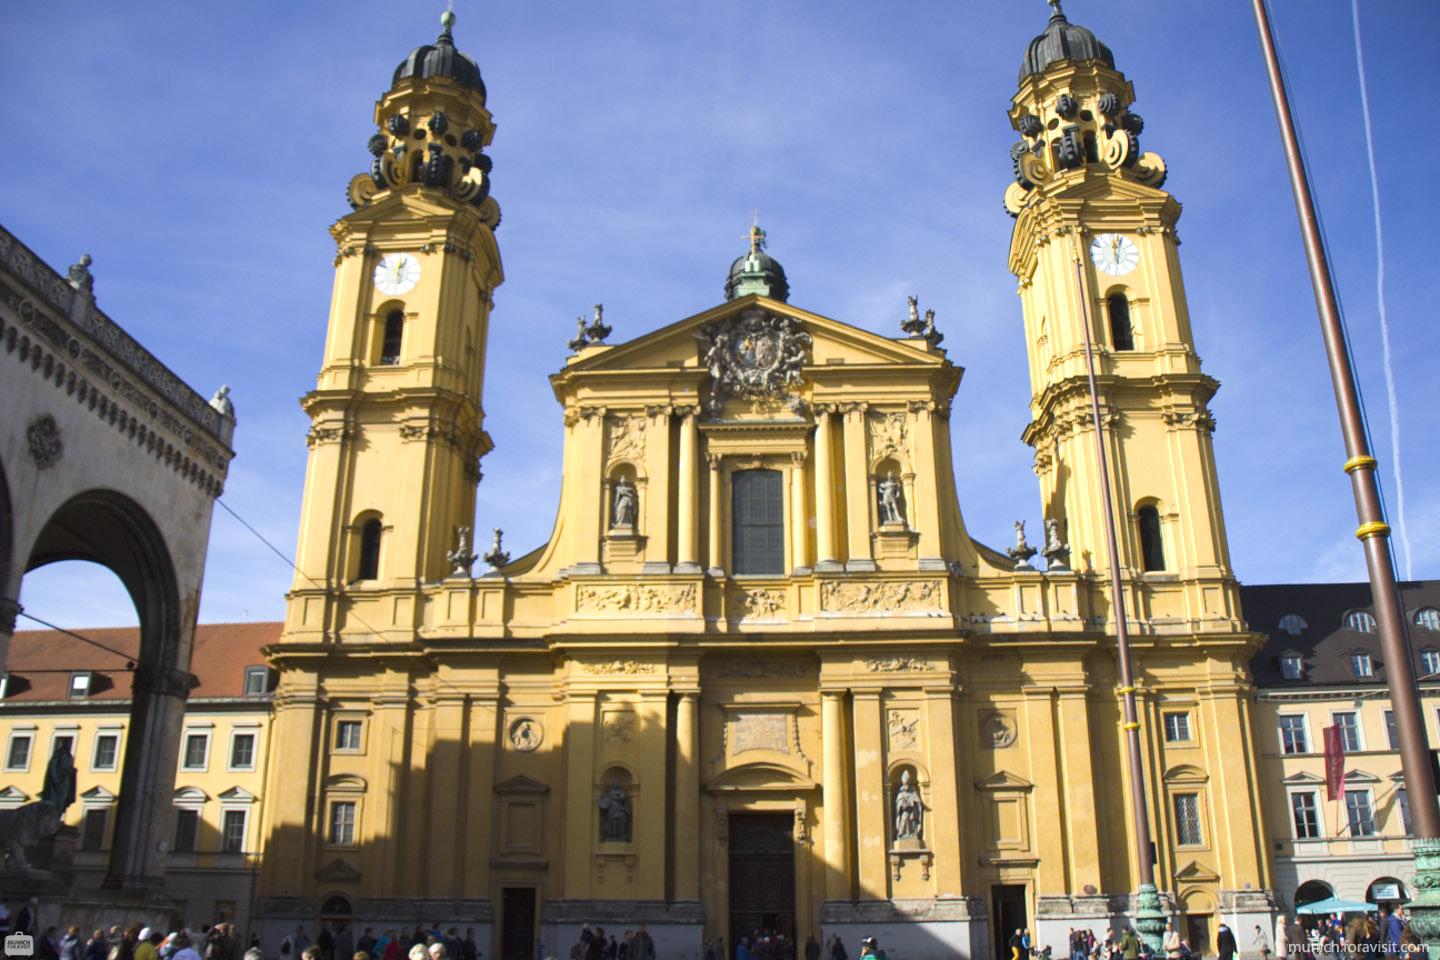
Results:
1196 872
10 796
1303 778
337 871
237 795
98 794
834 344
1360 776
521 784
1004 780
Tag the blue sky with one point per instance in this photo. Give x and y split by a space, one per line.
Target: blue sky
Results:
200 152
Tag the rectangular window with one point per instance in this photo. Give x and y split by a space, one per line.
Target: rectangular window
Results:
80 684
1292 734
1349 724
197 751
107 751
757 509
232 832
257 681
347 735
342 823
18 756
1391 736
1402 800
1187 819
1359 813
242 751
1290 668
187 825
92 836
1177 727
1360 666
1430 662
1305 814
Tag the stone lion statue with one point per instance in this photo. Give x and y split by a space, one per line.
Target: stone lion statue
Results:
22 827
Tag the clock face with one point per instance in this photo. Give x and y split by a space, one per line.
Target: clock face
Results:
397 273
1115 254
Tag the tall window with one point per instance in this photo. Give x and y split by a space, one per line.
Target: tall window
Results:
1187 819
92 835
1177 727
759 522
187 825
1362 666
242 751
18 756
342 823
1402 800
232 832
1152 553
369 550
197 751
1305 815
1121 333
107 749
1392 736
394 334
347 735
1359 813
1349 725
1292 734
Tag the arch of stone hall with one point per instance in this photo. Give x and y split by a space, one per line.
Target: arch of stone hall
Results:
108 456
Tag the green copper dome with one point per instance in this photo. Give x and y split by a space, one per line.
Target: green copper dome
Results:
1063 40
757 272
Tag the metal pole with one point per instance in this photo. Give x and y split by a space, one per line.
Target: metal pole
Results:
1149 917
1373 532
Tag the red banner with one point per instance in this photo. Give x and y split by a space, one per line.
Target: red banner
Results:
1334 761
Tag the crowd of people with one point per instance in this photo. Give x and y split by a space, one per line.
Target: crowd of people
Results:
135 942
1385 932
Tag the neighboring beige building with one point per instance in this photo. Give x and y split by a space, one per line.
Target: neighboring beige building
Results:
59 686
1323 665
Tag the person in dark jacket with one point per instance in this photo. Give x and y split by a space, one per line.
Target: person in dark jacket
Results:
1225 945
642 948
812 948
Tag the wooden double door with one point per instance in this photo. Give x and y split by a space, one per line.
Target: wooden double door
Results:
762 875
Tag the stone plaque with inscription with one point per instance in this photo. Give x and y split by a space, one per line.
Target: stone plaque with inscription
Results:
759 731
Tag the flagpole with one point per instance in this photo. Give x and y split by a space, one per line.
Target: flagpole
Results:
1373 532
1149 917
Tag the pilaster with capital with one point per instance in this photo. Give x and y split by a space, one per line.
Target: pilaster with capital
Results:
715 539
836 796
944 829
857 491
687 548
687 797
445 770
590 439
799 516
481 753
825 553
927 494
580 715
656 503
870 801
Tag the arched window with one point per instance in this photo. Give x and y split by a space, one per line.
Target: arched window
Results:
1360 621
1152 552
394 334
1121 333
369 550
335 906
1428 619
758 524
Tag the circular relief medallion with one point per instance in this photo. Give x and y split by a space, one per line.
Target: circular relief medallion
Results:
526 734
998 731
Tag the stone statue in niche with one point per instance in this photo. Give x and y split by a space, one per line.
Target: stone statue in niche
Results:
892 504
623 505
615 814
909 811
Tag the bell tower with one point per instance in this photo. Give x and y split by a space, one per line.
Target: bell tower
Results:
397 423
1097 258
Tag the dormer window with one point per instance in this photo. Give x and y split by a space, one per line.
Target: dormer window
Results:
1428 619
1293 624
80 683
1362 666
1430 662
257 681
1360 621
1291 666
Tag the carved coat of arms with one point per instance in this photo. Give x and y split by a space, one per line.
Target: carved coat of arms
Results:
754 354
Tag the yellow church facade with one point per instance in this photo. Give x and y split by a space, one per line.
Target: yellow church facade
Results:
760 677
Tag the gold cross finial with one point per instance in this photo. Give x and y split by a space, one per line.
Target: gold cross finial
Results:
756 235
1055 4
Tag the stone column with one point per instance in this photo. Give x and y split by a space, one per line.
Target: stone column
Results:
825 557
145 811
799 516
836 812
871 828
482 756
944 830
445 772
857 492
581 833
687 798
925 497
716 545
590 433
687 535
655 505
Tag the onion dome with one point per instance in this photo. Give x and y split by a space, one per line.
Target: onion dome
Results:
1063 40
441 59
757 272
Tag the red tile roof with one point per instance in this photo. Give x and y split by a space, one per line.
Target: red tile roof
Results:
41 661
